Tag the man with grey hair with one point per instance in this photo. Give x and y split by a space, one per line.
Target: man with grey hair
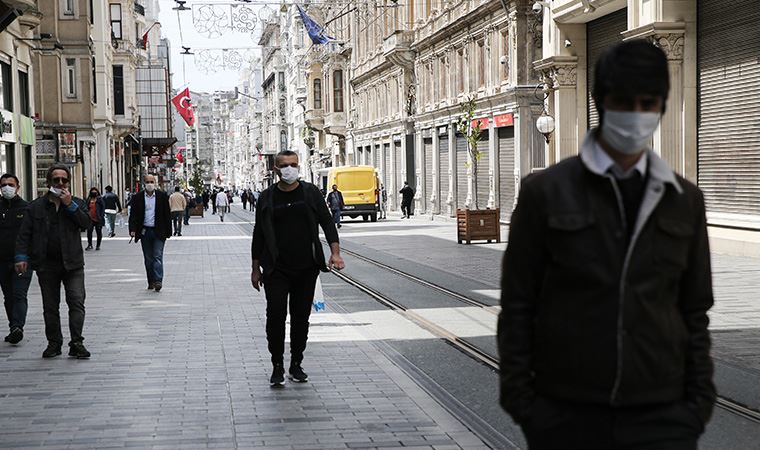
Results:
150 222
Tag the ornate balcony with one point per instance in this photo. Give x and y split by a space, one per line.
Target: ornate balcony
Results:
397 48
335 124
315 118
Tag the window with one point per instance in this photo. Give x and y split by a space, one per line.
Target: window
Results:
481 62
443 75
7 88
317 93
92 14
338 91
68 7
118 90
460 71
283 140
94 83
70 88
116 20
504 69
281 81
23 92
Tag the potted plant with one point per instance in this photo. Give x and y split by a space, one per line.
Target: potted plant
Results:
197 184
475 223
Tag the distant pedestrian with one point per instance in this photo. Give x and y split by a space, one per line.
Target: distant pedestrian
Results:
112 208
50 243
229 199
606 283
96 208
151 223
177 204
335 203
286 245
212 199
222 204
254 197
383 202
189 205
244 199
206 196
14 285
407 197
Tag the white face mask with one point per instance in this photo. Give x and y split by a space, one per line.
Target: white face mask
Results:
629 132
150 187
56 191
289 175
8 192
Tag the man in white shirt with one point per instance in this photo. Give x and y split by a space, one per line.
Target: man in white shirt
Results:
150 222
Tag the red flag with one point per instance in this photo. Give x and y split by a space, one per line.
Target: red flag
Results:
145 40
181 155
184 106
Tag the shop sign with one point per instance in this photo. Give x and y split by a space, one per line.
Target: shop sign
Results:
504 120
7 126
480 123
67 146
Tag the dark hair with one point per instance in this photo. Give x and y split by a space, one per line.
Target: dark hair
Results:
109 188
176 188
284 153
53 168
10 175
628 69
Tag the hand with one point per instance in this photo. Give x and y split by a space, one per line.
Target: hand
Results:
336 262
256 278
21 267
65 197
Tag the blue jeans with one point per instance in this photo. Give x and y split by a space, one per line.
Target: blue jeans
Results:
14 292
153 253
336 216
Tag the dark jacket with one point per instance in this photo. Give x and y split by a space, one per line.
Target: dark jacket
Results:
31 243
587 317
100 209
407 194
163 223
332 194
12 213
111 201
264 245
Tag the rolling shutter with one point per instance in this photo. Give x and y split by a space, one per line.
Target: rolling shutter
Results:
506 171
728 52
461 168
387 168
400 160
428 155
485 157
601 34
443 171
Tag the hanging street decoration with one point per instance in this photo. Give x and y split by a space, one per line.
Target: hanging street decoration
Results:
211 60
214 20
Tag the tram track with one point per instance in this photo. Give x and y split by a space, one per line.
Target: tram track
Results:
471 350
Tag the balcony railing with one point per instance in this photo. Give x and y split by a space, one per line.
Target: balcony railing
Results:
139 9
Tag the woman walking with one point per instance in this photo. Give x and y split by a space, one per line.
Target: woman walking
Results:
96 208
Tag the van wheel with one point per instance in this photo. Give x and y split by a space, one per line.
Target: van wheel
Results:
374 217
365 218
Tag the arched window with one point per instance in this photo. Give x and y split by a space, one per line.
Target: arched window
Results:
338 91
317 92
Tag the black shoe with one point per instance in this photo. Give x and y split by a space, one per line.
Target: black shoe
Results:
112 235
339 225
151 286
51 351
97 248
278 376
297 374
89 247
179 234
157 286
78 351
17 334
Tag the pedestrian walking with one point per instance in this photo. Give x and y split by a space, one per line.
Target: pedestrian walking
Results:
222 204
335 203
244 199
286 246
214 193
606 283
254 196
177 205
96 209
189 205
14 285
150 224
112 208
206 197
50 243
383 202
407 196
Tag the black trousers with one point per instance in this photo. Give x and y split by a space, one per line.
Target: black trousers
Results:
98 230
406 208
294 291
560 425
51 277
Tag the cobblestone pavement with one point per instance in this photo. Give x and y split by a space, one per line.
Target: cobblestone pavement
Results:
188 367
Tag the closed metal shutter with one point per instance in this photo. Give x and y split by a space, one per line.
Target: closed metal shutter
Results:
376 156
601 34
728 52
461 168
506 171
428 155
387 168
400 161
443 171
485 158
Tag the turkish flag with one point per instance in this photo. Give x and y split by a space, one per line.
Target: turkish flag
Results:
184 106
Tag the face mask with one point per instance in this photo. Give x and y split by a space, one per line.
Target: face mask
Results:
93 194
56 191
289 175
8 192
629 132
150 187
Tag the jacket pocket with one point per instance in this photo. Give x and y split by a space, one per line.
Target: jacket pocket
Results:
571 237
673 242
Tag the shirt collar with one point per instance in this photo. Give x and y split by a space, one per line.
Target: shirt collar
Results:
607 164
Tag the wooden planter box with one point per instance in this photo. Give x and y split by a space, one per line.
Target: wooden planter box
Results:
197 211
478 225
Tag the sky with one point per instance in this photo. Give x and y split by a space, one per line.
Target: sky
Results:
204 71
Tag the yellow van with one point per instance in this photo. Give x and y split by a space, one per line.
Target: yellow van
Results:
360 188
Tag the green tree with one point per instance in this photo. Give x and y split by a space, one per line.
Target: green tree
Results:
196 182
472 134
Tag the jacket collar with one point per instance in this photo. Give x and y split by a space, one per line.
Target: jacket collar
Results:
658 168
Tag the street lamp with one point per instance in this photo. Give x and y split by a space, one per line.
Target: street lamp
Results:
545 125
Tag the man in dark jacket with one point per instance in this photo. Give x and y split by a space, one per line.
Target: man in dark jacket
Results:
15 286
50 242
151 223
286 245
335 203
112 208
606 283
407 197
